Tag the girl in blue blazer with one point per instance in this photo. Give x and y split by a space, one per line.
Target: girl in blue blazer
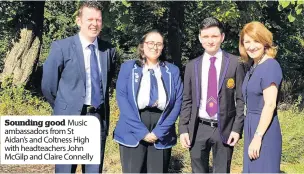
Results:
149 97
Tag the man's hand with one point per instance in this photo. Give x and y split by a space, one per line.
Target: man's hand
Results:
233 138
185 140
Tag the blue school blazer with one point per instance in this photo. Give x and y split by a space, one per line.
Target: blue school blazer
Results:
130 130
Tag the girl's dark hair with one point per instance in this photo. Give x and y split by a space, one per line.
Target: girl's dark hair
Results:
140 47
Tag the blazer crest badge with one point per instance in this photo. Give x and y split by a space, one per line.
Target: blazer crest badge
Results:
230 83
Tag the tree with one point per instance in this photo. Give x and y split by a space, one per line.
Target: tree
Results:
23 56
295 9
125 22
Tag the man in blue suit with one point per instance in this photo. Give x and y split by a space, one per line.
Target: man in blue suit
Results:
76 76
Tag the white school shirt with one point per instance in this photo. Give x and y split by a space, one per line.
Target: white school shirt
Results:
204 81
144 88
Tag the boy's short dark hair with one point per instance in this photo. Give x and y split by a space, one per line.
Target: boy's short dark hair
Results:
211 22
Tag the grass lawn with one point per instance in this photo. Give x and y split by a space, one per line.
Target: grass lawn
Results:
292 156
291 125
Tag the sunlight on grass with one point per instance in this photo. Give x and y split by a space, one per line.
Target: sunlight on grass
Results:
291 124
292 160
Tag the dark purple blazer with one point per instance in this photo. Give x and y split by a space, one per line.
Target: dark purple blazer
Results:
230 99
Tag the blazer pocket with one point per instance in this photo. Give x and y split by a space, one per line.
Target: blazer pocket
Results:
167 133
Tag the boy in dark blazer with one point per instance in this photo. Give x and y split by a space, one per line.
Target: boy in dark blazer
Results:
212 111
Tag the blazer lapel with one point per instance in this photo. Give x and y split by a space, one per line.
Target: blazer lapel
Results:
103 57
224 68
136 77
80 57
166 76
198 79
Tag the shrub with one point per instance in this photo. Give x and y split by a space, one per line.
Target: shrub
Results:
16 100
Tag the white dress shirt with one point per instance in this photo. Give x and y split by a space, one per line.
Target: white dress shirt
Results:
204 81
144 88
86 54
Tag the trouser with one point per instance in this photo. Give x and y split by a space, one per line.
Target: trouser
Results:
207 138
89 168
145 157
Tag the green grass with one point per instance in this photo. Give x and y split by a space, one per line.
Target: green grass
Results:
292 168
292 156
293 136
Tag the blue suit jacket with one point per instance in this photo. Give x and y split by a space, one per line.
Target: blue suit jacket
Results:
129 129
64 78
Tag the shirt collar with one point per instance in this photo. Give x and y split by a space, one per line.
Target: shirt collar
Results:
218 54
154 67
85 43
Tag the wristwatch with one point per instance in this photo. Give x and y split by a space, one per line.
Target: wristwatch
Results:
258 134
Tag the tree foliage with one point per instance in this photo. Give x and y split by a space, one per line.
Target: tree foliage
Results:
125 22
295 7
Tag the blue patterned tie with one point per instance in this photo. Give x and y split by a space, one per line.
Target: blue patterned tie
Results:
153 89
96 87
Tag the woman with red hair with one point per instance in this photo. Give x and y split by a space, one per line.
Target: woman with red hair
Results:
262 132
